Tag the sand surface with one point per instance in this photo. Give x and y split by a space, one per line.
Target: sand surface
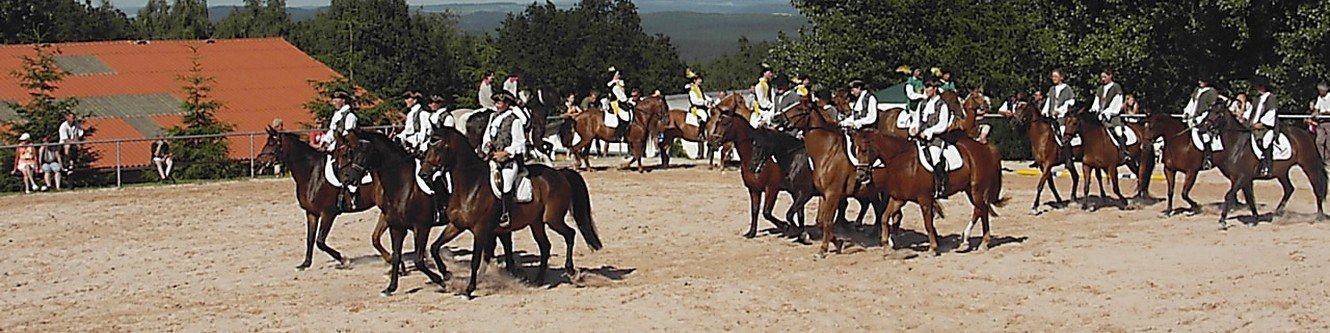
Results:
221 257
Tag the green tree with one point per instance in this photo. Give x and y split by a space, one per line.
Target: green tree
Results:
42 114
738 70
184 19
27 21
258 18
201 158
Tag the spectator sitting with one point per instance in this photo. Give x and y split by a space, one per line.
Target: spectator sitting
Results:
570 106
71 131
51 160
162 159
25 162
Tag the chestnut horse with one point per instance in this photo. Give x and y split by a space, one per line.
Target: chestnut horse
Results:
474 207
675 125
904 179
316 196
590 126
1046 151
1241 164
729 127
1101 155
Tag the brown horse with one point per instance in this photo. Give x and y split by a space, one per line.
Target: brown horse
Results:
403 205
590 126
1046 151
904 180
675 125
474 206
1101 155
1180 154
728 127
1241 164
974 102
316 196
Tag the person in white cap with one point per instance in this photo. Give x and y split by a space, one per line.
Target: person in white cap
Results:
25 162
1320 108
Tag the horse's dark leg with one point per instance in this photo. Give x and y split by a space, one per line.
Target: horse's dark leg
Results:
926 205
663 148
422 240
1053 186
483 239
1039 191
506 238
892 207
864 206
1170 177
311 230
1099 175
1186 191
1288 192
376 238
543 243
325 227
449 233
769 205
753 207
398 236
1251 199
569 235
1085 200
1113 179
1229 197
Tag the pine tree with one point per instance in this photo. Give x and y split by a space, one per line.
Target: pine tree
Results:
201 158
42 114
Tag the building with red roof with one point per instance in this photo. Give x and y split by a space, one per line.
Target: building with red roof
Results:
132 90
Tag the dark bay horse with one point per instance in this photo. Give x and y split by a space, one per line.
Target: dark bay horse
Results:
1180 154
1241 164
904 179
590 126
1046 151
403 205
728 127
315 195
474 206
675 125
1101 155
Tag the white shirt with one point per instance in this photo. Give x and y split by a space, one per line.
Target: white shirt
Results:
697 97
1191 109
342 116
416 122
1268 118
930 107
1057 111
1322 104
1108 109
442 118
486 95
866 103
510 86
762 93
616 89
518 145
70 132
912 94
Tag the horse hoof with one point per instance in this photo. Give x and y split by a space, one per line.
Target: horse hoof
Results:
385 293
302 267
1035 212
750 235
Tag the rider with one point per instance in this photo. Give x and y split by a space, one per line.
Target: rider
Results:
863 111
342 121
1058 102
510 85
415 131
1261 120
1108 104
763 97
947 83
441 116
932 120
697 99
1320 109
486 91
914 88
619 103
1196 110
805 87
504 144
786 99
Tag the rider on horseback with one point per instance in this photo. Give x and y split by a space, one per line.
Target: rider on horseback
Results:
763 99
441 118
416 129
486 91
1108 104
342 121
697 98
1058 101
1261 119
620 105
932 119
1195 112
504 144
863 114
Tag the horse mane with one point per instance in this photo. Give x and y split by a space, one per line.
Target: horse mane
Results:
887 146
381 142
300 148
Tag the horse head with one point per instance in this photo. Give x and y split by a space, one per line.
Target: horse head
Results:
1075 121
352 157
445 150
1218 119
272 147
976 101
719 129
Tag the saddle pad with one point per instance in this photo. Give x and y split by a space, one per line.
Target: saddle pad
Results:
523 185
849 152
691 119
1282 149
1126 134
611 120
330 175
952 155
903 120
1198 140
1075 140
423 183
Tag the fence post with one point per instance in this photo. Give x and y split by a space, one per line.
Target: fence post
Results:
117 164
251 155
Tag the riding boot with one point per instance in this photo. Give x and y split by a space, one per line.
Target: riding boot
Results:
341 201
1121 143
506 218
1205 157
940 180
1268 160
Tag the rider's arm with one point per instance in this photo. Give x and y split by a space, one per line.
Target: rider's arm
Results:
1114 107
870 116
519 139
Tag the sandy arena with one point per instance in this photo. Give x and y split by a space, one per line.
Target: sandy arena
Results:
221 257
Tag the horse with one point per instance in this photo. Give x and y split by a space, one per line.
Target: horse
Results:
727 127
1180 154
589 125
1046 151
808 115
474 206
403 205
969 120
1102 155
316 196
675 125
904 180
538 109
1241 163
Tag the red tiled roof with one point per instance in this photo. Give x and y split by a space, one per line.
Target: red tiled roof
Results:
255 79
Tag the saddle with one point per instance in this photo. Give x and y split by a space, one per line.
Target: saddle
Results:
903 120
522 188
1128 136
849 152
1282 149
950 153
1198 139
330 174
611 120
691 118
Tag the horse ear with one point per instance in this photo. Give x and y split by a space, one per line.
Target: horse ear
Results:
270 130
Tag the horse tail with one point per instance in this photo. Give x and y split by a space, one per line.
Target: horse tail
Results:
1315 168
566 132
582 208
938 211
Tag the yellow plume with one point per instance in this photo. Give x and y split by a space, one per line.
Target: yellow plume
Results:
903 69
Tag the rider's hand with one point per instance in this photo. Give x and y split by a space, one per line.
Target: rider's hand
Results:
1309 122
914 132
501 155
1258 126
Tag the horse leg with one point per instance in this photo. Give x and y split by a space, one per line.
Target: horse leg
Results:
1112 174
979 202
753 206
826 216
1229 197
483 238
398 235
375 238
311 229
926 206
1085 199
422 239
543 243
769 205
1099 175
1170 177
325 227
509 262
1039 191
569 235
1288 192
892 206
449 233
1251 200
1186 191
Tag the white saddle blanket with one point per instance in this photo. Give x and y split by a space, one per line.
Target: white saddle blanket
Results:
1282 149
692 119
330 175
952 155
523 187
611 120
903 120
1198 139
849 152
1127 135
424 183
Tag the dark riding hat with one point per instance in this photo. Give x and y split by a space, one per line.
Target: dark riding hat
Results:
765 68
858 84
932 82
413 94
505 96
436 99
1261 82
342 94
